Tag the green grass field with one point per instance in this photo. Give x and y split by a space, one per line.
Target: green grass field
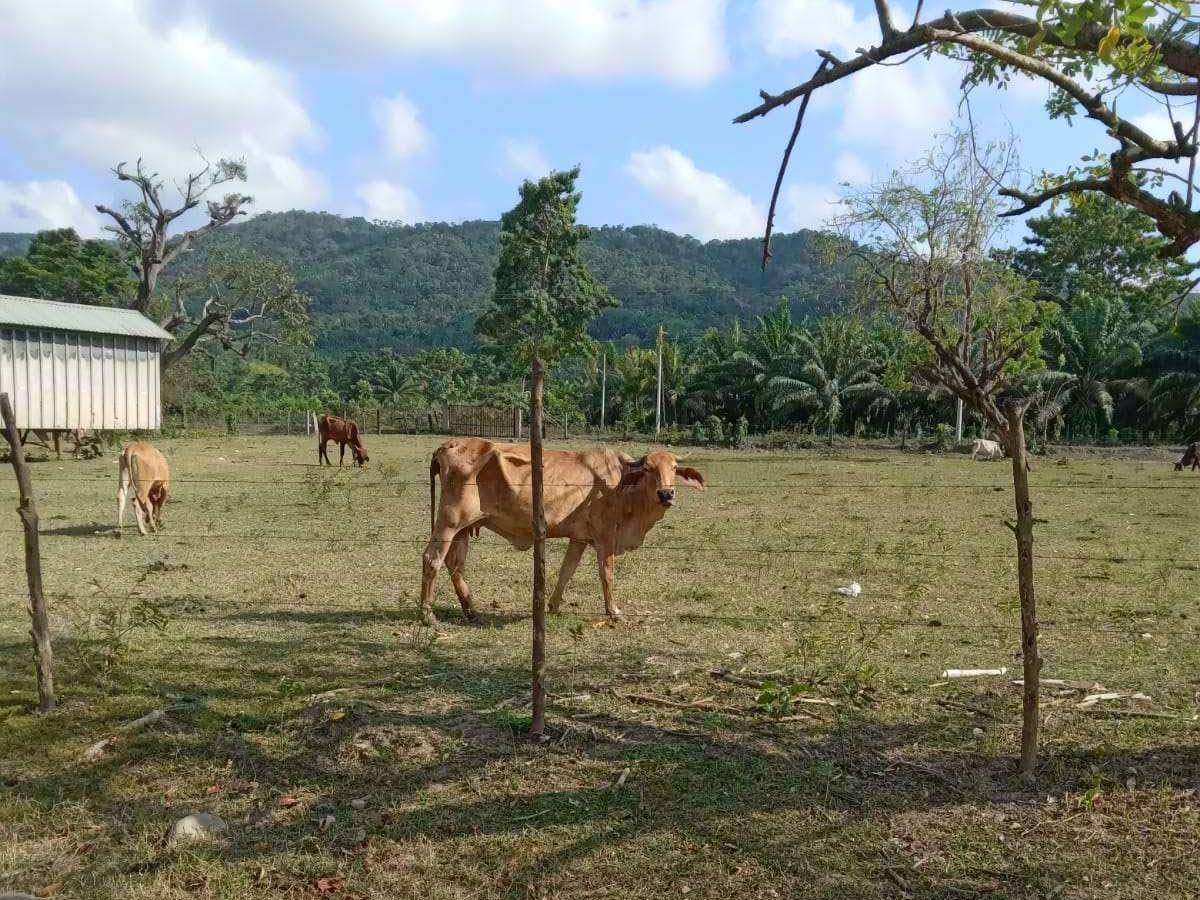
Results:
296 681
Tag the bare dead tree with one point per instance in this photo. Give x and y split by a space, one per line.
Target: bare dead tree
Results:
1071 48
922 238
144 224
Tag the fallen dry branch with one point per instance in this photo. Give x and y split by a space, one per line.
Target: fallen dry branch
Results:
966 707
704 703
1092 699
1134 713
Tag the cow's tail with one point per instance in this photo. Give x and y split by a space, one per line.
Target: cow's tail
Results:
434 469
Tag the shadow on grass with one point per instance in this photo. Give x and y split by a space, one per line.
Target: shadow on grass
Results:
92 529
429 720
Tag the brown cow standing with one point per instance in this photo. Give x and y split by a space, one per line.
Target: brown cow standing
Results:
594 498
143 468
331 428
1191 457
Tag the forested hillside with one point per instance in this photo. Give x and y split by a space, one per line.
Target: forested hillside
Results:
411 287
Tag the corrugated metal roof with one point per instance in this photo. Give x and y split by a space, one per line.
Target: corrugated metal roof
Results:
29 312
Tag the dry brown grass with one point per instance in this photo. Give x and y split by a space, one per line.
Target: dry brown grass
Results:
293 668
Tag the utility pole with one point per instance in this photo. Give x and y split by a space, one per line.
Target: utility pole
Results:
603 383
658 400
958 423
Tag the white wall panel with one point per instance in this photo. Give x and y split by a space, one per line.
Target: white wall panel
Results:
65 380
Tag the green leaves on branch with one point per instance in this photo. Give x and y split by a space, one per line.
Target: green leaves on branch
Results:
544 294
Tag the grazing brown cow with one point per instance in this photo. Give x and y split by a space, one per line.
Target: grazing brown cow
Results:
143 468
1191 457
331 428
594 498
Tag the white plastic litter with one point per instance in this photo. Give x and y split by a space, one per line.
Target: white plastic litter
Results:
851 590
973 673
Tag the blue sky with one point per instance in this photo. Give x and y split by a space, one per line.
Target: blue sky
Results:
426 110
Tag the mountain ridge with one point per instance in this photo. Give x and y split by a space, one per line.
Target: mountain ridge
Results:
409 287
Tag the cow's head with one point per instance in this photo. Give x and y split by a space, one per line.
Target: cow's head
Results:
360 454
656 473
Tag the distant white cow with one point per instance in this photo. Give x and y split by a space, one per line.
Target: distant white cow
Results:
982 449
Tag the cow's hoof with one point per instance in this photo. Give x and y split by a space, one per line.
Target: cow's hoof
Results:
429 620
614 614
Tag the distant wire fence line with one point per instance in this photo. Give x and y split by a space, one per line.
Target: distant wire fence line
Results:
782 619
731 550
326 474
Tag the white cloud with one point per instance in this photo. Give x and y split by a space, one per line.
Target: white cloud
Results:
700 203
677 41
1157 124
39 205
808 205
849 169
401 131
899 109
789 28
388 200
123 85
523 158
896 107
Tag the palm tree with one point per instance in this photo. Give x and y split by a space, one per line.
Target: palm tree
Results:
1048 392
1098 341
635 378
1175 390
834 364
395 386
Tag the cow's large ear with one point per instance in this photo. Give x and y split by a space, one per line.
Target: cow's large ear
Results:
688 475
634 471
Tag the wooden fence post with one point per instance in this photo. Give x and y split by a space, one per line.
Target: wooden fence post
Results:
42 651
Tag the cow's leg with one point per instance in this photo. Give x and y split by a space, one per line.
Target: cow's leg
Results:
569 564
122 494
342 458
322 452
57 444
456 565
139 511
431 560
607 560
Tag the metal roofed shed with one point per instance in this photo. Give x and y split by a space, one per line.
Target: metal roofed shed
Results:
68 366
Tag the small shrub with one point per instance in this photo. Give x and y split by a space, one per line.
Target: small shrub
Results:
741 433
111 631
698 434
943 437
715 429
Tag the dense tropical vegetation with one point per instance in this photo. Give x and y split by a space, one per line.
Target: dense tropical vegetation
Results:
798 348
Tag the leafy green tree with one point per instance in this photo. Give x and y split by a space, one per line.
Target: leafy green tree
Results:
543 301
1099 247
239 300
1098 342
60 266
